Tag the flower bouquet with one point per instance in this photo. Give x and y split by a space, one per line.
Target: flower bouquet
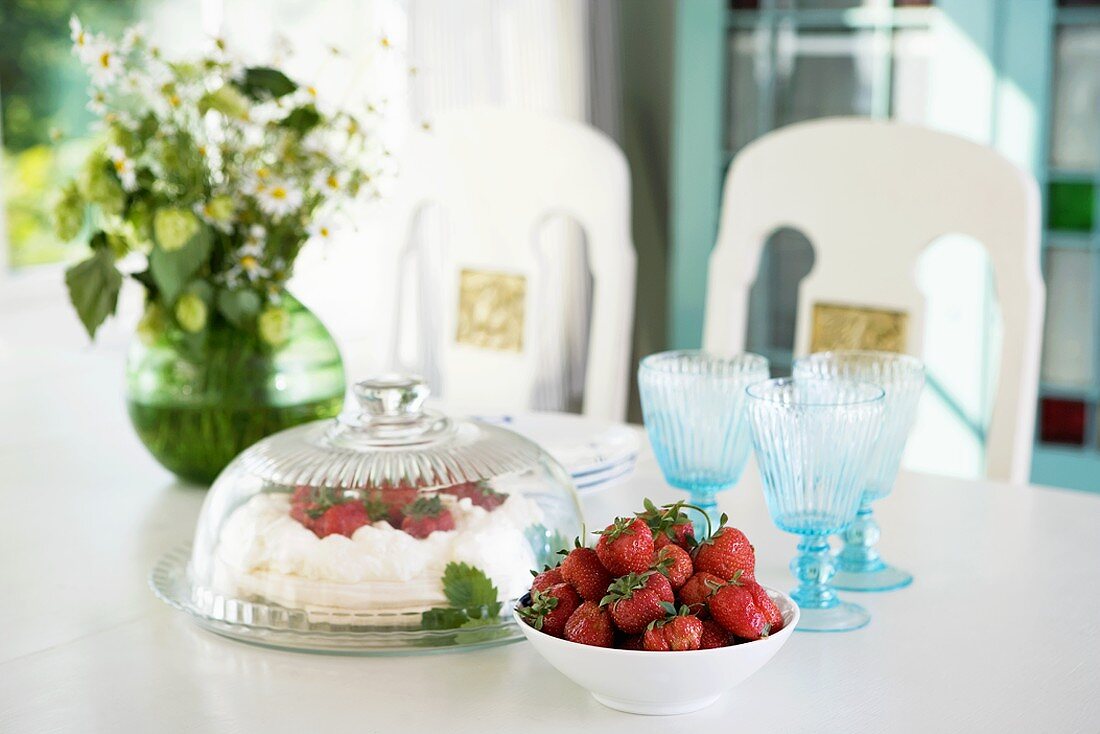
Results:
210 177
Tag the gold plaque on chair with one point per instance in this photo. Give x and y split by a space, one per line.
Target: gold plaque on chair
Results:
858 327
491 310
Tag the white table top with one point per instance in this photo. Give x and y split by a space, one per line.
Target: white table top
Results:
999 632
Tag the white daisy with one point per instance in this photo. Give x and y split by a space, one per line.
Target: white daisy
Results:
124 167
257 181
97 103
82 40
104 63
279 198
132 37
257 236
320 229
330 182
247 265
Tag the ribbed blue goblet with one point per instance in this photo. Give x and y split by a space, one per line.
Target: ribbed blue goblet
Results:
859 567
693 405
812 440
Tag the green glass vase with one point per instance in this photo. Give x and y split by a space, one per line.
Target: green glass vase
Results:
196 401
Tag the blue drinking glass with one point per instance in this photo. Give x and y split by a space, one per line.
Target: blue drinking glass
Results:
813 439
693 405
859 566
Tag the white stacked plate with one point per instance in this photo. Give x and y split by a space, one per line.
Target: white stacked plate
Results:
596 453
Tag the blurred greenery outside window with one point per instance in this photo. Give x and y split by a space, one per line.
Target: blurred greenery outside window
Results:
46 130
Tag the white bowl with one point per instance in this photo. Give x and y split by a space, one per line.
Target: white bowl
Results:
660 683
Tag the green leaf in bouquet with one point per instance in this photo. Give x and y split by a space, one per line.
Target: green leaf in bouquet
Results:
302 119
94 285
226 99
239 307
263 83
98 185
171 269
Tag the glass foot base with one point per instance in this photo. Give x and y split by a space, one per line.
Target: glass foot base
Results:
886 578
840 618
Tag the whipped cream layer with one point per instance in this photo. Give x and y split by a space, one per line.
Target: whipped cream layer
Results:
264 552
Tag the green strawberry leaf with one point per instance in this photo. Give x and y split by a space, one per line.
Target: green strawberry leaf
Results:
93 287
444 619
472 597
472 631
467 587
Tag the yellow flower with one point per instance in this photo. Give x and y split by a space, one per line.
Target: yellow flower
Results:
151 325
220 209
191 313
274 325
173 228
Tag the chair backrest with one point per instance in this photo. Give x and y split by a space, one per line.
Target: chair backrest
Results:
498 176
871 196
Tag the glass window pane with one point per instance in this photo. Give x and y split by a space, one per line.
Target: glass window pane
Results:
747 63
1070 206
1068 341
1062 421
43 99
1075 123
824 73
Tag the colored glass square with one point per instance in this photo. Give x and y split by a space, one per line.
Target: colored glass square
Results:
1070 206
1062 421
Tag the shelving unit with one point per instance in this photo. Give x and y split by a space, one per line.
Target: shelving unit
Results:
1067 452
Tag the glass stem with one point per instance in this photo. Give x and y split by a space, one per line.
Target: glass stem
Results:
813 567
706 501
859 554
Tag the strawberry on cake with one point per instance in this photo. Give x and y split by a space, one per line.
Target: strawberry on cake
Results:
375 550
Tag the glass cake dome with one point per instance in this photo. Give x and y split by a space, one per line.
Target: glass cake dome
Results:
396 529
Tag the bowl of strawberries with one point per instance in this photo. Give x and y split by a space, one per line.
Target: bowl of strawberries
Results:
650 586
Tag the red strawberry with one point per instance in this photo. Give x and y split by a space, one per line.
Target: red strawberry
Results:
590 624
675 563
678 631
394 499
630 642
714 636
343 519
695 590
684 632
725 553
635 600
654 640
732 606
546 579
426 515
480 493
301 503
582 568
669 524
551 609
765 604
625 546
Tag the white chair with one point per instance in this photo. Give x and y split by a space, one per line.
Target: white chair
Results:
871 196
497 177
